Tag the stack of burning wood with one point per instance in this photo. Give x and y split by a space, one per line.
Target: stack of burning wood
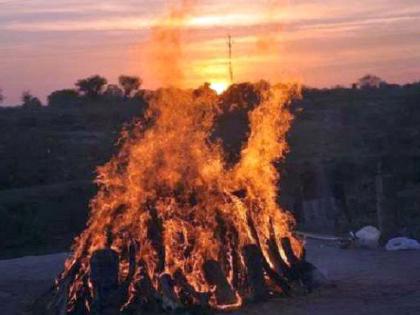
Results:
177 224
258 281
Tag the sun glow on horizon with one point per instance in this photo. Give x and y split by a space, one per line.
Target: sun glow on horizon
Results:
219 86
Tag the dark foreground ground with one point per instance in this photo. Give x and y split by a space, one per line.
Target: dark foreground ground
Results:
366 282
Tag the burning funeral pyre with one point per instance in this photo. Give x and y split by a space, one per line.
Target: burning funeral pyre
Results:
177 222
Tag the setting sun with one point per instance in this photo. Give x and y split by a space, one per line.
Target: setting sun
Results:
219 87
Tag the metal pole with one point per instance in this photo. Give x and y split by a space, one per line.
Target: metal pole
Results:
230 58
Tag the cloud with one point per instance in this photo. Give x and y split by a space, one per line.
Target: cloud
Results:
72 37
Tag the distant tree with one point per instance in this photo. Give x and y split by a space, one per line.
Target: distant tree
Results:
92 86
63 98
29 101
113 92
203 90
1 96
140 94
370 81
130 84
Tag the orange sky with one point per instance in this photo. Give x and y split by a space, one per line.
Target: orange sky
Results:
47 45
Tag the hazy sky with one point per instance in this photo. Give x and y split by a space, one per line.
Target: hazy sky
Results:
47 45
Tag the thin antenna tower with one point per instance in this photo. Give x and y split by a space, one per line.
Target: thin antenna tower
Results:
230 58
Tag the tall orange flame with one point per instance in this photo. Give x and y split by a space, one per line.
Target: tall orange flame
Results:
170 173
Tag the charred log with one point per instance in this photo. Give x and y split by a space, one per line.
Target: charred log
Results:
295 267
147 298
279 264
225 295
104 266
229 256
287 247
276 278
188 295
255 273
170 301
155 230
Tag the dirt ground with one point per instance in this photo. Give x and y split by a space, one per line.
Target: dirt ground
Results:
365 282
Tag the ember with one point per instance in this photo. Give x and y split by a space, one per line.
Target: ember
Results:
174 224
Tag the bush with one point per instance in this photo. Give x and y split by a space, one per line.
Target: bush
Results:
92 87
29 101
62 98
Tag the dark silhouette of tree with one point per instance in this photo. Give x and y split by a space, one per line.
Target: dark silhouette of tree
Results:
63 98
92 86
130 84
370 81
29 101
113 92
1 96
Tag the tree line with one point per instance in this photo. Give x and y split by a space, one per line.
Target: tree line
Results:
93 88
96 87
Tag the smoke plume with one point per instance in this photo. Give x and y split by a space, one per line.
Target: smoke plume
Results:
164 50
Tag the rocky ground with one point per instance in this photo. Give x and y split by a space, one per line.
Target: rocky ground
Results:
364 282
